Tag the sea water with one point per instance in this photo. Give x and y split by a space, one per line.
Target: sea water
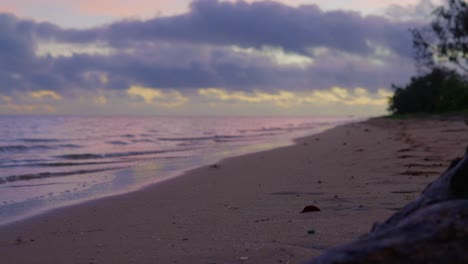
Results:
51 161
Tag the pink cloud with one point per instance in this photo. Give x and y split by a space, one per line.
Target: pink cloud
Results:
116 8
125 8
151 8
7 8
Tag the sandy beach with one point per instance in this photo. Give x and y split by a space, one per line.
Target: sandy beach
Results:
247 209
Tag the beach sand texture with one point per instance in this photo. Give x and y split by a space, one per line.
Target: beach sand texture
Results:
247 209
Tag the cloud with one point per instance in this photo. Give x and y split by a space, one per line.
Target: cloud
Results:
16 47
157 96
125 8
148 94
45 94
240 47
53 49
277 56
247 25
36 102
12 108
279 98
101 100
206 101
282 98
418 11
215 44
5 98
75 9
250 25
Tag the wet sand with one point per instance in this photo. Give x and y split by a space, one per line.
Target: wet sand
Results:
247 209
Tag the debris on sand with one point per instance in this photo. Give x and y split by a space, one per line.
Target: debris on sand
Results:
310 208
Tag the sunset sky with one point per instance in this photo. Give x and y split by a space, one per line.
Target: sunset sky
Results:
205 57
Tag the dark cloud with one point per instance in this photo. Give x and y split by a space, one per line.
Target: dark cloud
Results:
16 45
251 25
193 50
222 67
17 54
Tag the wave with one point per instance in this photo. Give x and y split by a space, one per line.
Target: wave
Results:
66 164
68 146
201 138
33 185
142 141
81 156
42 175
20 162
69 164
117 143
279 129
39 140
22 148
86 156
25 148
220 139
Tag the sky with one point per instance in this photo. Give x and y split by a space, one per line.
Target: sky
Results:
205 57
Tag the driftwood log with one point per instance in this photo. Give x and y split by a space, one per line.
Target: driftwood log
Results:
431 229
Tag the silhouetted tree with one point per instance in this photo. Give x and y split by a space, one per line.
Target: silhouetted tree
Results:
439 47
441 90
446 40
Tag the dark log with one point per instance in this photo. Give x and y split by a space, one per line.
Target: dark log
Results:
431 229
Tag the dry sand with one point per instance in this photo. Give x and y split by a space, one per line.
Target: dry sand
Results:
246 209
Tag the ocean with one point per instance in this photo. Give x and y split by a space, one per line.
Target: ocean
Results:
48 162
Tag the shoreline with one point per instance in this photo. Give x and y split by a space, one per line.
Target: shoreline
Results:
177 170
246 209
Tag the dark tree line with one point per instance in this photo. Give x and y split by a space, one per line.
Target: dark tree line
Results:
439 91
441 54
